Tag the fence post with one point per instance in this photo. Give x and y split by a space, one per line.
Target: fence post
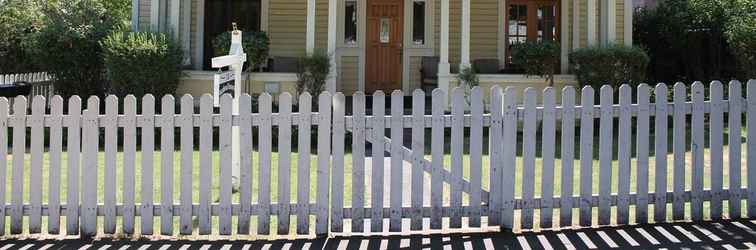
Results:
324 157
148 147
624 148
495 163
418 154
529 127
284 161
715 146
265 141
187 165
90 166
437 157
751 147
111 149
586 156
509 158
225 165
377 150
3 160
337 181
476 155
358 162
35 172
457 147
56 146
660 151
734 122
641 144
567 155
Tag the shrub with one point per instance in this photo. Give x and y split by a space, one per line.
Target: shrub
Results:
256 44
19 20
312 72
142 63
68 46
537 58
468 79
614 64
741 36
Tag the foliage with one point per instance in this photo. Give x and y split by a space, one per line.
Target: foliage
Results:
68 46
691 40
19 20
468 79
613 64
312 72
741 36
255 43
537 58
142 63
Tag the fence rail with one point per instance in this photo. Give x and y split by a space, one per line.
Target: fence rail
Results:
518 159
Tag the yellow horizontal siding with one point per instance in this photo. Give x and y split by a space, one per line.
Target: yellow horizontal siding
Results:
144 14
287 27
484 26
349 75
321 24
620 25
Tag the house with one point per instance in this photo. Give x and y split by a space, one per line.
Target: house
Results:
388 44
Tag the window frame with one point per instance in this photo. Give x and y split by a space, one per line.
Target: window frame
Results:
531 21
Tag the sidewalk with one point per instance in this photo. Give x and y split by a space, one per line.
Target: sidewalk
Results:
738 234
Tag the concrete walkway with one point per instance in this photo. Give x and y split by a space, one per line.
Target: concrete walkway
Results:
738 234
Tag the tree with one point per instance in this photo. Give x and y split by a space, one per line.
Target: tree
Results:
68 46
537 58
19 20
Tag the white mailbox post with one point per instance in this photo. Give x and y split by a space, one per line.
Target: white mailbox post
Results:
235 61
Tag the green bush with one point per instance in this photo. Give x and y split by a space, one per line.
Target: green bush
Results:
741 36
537 58
142 63
613 64
19 21
255 43
68 46
312 72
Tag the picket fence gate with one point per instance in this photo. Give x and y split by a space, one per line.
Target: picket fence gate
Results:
498 204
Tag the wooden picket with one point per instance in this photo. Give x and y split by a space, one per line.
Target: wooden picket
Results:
87 213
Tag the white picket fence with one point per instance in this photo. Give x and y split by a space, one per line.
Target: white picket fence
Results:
453 195
41 82
24 77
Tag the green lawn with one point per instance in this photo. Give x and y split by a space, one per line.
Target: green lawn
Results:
347 177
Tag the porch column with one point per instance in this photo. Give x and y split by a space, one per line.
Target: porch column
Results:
628 21
608 22
443 63
465 43
591 19
564 39
310 30
332 27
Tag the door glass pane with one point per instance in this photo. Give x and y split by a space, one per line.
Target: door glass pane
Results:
517 25
384 35
546 23
418 22
350 22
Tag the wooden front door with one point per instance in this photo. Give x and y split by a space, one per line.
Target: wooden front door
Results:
383 64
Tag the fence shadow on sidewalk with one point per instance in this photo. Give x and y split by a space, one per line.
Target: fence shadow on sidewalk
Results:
725 234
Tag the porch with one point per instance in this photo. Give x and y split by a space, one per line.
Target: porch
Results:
374 50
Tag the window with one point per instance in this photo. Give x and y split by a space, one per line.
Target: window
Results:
418 22
350 22
219 14
531 20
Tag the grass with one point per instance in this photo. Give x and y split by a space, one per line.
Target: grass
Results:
347 178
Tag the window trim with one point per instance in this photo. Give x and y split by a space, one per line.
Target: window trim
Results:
504 51
409 23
